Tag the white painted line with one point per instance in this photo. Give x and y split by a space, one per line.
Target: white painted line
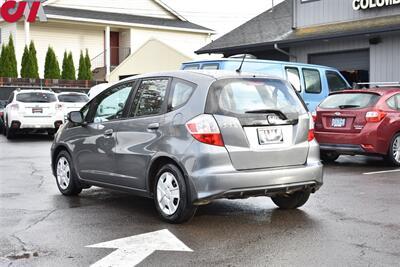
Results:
134 249
380 172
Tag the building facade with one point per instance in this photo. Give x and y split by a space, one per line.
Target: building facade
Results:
112 31
361 38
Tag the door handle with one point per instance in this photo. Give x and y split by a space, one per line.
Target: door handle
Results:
108 133
153 126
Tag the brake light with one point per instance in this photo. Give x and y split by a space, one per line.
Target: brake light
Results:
14 106
314 116
311 132
375 116
205 129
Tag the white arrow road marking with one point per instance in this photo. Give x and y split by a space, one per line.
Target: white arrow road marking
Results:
133 250
381 172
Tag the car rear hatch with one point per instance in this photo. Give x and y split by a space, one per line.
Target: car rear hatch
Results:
73 102
263 123
345 112
36 104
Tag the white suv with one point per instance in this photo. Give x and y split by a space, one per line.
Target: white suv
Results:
72 101
32 110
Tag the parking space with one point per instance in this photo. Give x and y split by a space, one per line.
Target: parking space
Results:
353 220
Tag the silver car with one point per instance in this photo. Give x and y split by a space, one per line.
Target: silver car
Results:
186 138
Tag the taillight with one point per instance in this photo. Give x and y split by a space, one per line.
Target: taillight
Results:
14 106
314 116
205 129
311 132
375 116
59 106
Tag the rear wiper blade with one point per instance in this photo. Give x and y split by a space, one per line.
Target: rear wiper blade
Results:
348 106
268 111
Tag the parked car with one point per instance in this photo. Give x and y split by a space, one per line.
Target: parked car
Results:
186 138
97 89
72 101
3 104
360 122
32 110
312 82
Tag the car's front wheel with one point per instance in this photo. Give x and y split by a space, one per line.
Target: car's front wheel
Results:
393 155
171 195
66 178
291 201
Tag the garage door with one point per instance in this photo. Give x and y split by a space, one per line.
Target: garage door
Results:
343 61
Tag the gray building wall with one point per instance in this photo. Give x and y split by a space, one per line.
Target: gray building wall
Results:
384 57
332 11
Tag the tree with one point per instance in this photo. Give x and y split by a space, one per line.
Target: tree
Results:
2 60
68 68
71 66
11 59
89 74
51 67
25 63
82 68
34 71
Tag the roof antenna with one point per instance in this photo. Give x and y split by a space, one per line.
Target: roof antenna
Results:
239 70
272 8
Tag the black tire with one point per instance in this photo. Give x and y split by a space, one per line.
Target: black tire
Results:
74 187
51 134
329 156
185 209
292 201
390 157
10 133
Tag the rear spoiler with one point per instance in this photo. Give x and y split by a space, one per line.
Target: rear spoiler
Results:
376 85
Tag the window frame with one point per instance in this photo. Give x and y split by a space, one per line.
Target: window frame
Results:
164 106
210 64
189 65
305 82
171 91
93 104
397 102
340 76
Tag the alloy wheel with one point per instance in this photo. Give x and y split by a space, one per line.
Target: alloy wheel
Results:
396 149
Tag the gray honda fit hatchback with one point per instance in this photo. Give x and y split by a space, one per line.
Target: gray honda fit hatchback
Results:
186 138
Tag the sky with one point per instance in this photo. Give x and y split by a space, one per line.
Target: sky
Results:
220 15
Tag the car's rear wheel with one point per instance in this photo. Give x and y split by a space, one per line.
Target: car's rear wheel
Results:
171 195
66 178
291 201
393 155
329 156
10 133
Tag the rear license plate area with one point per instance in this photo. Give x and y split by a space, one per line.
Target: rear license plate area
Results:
270 136
338 122
37 110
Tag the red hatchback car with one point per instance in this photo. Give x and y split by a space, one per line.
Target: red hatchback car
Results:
360 122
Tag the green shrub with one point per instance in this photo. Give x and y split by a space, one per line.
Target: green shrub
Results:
82 72
34 71
51 67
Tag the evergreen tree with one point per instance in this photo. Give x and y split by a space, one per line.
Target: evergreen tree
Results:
82 74
2 60
11 60
71 66
25 63
34 71
51 67
89 74
64 72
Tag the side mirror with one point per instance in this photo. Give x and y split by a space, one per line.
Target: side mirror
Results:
75 117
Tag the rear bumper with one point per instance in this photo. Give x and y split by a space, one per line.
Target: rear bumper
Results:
38 123
343 149
267 182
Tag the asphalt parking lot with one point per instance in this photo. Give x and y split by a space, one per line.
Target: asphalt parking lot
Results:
354 220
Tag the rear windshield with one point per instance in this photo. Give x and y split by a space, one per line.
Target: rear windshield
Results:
350 100
73 98
242 96
36 97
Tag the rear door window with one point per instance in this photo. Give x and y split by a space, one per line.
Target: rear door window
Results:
350 101
335 81
245 96
150 98
293 76
36 97
312 80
